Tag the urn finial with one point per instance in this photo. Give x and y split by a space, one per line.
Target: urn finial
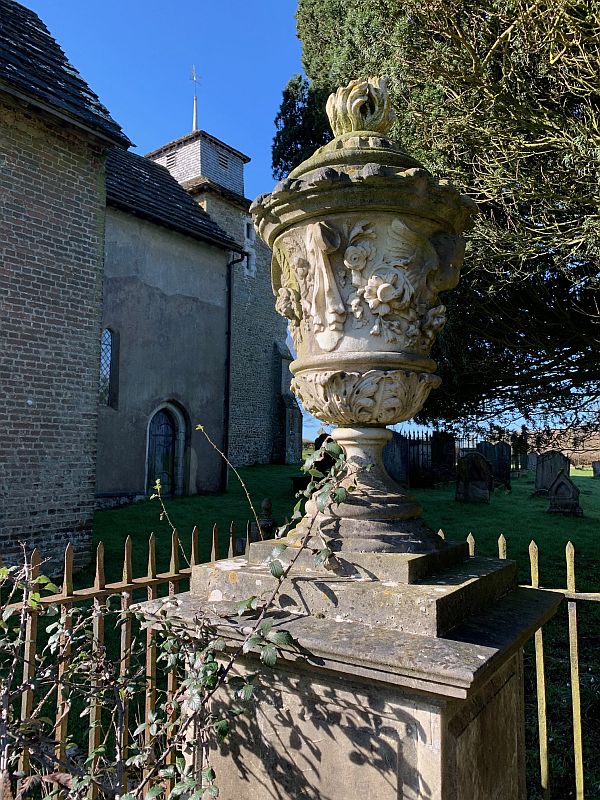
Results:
362 105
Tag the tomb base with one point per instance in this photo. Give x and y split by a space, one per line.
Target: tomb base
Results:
406 683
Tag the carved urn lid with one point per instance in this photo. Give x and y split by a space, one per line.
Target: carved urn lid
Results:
361 167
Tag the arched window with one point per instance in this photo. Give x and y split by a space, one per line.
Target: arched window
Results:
108 371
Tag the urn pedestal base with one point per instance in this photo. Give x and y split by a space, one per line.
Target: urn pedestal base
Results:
378 514
406 685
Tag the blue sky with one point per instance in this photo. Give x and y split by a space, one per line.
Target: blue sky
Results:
137 55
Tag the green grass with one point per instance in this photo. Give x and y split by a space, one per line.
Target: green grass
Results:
516 514
521 517
141 519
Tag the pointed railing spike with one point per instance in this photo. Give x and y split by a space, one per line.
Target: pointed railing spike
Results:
471 541
194 557
127 561
67 587
570 557
534 562
502 549
214 553
174 566
247 547
231 551
441 534
100 577
152 556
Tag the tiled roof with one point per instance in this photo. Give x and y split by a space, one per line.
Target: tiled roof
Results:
34 67
142 187
201 184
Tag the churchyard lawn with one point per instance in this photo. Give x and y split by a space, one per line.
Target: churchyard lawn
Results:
518 515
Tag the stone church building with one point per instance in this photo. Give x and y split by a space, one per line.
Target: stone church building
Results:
135 304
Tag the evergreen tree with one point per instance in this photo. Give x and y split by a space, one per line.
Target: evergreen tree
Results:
503 98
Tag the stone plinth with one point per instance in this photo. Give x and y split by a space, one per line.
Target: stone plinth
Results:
407 682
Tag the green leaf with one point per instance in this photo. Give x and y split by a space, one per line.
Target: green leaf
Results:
278 550
213 791
251 642
322 499
222 728
268 655
276 568
281 638
316 473
208 774
265 627
155 791
333 448
339 495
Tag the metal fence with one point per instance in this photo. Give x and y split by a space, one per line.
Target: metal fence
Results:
92 596
173 580
573 597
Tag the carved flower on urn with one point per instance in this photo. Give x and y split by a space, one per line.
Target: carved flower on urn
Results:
386 293
355 259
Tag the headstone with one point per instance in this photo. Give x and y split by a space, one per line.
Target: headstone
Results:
547 468
596 468
474 479
395 458
501 463
564 496
268 526
443 456
532 460
499 456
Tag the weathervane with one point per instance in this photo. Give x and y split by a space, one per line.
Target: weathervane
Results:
196 80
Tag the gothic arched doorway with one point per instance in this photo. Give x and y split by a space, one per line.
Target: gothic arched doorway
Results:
166 443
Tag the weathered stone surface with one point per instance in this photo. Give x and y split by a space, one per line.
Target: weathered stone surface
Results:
547 468
532 461
564 496
474 479
371 712
596 468
429 606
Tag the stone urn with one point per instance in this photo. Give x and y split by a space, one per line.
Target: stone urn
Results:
364 240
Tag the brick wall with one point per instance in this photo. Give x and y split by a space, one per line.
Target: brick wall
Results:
255 358
52 222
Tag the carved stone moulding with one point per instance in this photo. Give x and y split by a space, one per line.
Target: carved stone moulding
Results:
371 397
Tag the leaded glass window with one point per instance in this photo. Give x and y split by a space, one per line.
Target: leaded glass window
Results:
106 360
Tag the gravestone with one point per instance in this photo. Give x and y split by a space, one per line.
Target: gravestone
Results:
395 458
564 496
547 468
474 479
532 460
498 456
501 464
596 468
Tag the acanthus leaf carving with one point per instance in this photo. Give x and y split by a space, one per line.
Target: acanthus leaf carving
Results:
374 397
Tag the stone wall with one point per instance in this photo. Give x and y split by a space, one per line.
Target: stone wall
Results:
165 298
257 335
52 222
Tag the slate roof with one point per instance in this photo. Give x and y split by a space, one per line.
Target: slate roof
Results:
141 187
34 67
